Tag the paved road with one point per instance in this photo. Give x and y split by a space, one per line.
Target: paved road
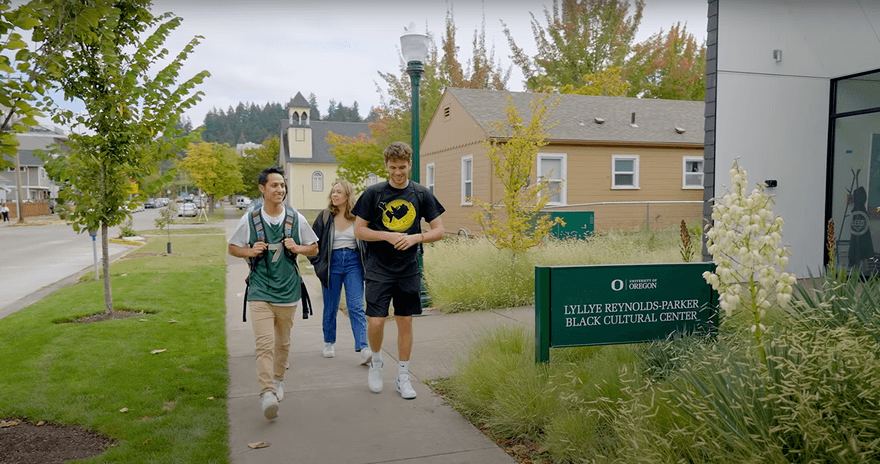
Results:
36 260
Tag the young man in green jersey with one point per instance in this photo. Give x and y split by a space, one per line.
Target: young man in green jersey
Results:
270 238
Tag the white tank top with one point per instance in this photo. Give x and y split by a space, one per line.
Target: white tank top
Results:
344 239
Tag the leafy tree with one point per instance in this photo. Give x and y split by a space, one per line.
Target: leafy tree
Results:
608 82
214 168
481 70
244 123
314 113
668 65
519 223
254 161
581 38
358 157
100 53
391 122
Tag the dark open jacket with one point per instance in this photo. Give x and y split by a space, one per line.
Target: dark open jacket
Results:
324 229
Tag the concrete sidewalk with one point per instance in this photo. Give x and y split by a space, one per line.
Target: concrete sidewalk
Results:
330 416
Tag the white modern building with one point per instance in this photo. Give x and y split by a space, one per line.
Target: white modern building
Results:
793 93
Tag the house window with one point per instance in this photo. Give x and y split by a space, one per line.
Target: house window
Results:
42 173
317 181
467 180
692 175
625 172
372 179
551 171
429 177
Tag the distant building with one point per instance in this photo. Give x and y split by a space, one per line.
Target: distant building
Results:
305 154
241 147
35 183
608 155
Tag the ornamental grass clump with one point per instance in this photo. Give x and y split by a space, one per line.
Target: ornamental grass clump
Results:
745 244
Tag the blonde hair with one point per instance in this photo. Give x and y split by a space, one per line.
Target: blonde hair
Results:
348 190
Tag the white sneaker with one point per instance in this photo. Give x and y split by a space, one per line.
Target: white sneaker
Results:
374 378
279 389
366 356
329 352
270 405
404 387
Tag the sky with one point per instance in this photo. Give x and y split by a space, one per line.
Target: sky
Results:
263 51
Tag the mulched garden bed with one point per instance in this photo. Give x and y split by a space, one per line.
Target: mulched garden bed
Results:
24 443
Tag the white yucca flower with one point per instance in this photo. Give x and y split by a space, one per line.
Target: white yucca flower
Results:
745 242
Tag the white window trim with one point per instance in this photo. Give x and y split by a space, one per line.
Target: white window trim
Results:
635 185
317 175
685 172
558 176
464 200
430 174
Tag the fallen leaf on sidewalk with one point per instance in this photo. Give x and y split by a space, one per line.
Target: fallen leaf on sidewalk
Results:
159 351
261 444
123 410
10 423
41 423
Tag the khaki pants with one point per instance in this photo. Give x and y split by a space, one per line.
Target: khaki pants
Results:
272 326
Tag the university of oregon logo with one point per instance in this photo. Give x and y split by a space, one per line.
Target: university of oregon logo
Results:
398 215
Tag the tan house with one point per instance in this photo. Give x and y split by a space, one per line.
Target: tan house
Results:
305 154
633 162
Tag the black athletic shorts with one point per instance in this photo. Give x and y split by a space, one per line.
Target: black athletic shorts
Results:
404 293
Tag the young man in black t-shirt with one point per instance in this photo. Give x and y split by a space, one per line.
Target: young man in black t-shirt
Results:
389 218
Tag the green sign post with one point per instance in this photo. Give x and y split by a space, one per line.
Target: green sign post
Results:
604 305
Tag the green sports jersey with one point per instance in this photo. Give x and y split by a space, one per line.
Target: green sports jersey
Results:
274 278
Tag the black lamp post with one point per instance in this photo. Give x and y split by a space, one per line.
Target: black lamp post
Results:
414 47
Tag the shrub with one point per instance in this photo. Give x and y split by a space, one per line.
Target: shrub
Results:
471 275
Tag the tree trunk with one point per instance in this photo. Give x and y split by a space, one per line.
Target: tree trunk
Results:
211 205
105 261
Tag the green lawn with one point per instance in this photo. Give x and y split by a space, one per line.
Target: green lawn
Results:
84 374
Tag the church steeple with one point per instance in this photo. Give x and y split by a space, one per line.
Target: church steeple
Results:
298 110
296 133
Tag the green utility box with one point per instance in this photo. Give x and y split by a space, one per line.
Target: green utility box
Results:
578 224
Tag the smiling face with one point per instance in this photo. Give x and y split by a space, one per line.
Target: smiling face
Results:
274 189
338 197
398 172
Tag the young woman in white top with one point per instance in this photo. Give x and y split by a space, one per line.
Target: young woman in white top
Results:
339 264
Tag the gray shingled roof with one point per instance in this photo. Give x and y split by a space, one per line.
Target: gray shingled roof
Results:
320 147
28 158
656 120
299 101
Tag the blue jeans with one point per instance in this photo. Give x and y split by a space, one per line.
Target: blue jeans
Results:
345 269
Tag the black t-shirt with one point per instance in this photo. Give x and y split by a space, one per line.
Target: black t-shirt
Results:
394 210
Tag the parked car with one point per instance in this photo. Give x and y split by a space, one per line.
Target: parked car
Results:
150 203
162 202
188 209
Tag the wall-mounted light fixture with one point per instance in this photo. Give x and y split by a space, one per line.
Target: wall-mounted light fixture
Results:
598 120
679 130
770 183
777 55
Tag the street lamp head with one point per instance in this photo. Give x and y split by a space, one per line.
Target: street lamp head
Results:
414 45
